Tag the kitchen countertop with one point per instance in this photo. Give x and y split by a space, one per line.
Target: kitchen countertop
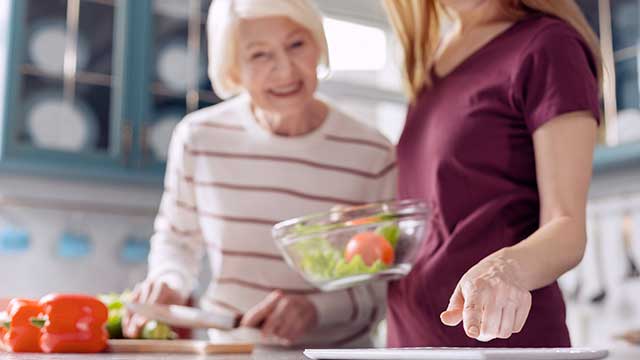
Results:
258 354
618 353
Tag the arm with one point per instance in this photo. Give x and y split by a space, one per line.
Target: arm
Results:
564 154
493 298
177 245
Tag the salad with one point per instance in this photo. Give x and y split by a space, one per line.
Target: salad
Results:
366 252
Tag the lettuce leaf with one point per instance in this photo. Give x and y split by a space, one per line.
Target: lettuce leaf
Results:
319 259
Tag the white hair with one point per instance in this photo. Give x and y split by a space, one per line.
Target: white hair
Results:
222 34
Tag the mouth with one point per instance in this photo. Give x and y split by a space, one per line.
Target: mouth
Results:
287 90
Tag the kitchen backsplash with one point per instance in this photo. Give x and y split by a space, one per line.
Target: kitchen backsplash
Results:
72 236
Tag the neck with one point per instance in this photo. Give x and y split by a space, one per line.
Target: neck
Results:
474 16
294 123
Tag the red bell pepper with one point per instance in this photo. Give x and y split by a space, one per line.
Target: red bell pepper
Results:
74 324
19 333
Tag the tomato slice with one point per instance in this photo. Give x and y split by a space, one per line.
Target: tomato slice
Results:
371 247
363 221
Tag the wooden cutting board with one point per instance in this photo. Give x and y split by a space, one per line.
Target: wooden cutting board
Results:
177 346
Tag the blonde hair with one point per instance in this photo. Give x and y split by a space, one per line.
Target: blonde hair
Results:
417 26
222 32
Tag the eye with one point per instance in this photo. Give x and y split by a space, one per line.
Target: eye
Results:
297 44
258 55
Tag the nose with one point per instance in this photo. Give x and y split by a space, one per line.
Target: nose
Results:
283 65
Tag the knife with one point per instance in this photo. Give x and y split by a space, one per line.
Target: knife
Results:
187 317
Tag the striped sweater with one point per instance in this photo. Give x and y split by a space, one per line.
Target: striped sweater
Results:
228 181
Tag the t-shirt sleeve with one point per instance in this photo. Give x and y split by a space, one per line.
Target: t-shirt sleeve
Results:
557 74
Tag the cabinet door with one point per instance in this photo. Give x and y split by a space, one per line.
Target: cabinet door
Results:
625 24
66 85
176 80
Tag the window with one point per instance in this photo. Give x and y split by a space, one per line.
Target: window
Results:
365 80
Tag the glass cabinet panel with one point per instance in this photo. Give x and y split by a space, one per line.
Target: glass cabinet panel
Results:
625 21
179 82
64 102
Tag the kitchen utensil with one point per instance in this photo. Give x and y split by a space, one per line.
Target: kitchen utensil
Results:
459 354
177 346
187 317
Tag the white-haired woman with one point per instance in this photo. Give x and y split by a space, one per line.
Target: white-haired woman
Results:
274 152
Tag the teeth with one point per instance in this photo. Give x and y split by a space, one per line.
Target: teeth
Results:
286 90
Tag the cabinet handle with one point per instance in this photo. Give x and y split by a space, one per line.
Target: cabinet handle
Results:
126 142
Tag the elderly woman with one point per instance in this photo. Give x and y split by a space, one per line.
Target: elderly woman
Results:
274 152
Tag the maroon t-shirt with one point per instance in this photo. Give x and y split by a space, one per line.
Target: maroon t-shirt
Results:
467 150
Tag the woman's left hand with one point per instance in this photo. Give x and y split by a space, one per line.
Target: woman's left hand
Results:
283 317
489 300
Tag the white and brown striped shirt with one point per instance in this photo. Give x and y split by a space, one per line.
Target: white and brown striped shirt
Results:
228 181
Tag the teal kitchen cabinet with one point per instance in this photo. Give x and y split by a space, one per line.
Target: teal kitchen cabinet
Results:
617 22
175 80
93 88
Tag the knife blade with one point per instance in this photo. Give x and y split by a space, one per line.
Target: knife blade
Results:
187 317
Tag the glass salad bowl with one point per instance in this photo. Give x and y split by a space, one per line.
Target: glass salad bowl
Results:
349 246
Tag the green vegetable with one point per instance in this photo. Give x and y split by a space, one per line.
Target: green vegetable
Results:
357 266
319 257
391 233
322 261
154 330
116 305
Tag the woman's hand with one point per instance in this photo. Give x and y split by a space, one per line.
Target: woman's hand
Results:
283 317
489 300
148 292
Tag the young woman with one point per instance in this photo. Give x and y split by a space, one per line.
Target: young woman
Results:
499 140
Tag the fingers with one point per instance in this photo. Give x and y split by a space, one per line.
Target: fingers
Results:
146 292
285 317
507 324
522 312
472 315
276 320
453 315
491 319
261 312
498 313
294 318
130 321
135 325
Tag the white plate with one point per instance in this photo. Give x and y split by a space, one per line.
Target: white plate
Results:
178 9
160 133
57 124
173 64
47 45
459 354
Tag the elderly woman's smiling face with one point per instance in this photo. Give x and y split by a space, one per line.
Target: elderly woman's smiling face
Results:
277 61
